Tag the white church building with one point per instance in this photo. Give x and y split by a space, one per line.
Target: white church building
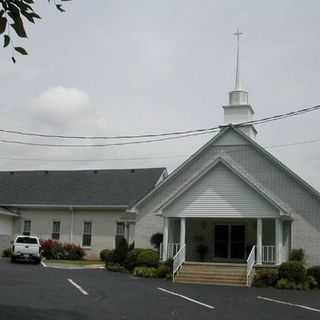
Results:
230 205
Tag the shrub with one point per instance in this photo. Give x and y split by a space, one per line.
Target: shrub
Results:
285 284
163 271
311 282
266 278
72 252
315 273
156 239
120 253
145 272
105 254
296 255
52 249
148 258
131 260
293 271
115 267
6 253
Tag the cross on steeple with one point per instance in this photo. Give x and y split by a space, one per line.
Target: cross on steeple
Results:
237 82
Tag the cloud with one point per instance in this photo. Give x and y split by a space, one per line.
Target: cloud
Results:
60 105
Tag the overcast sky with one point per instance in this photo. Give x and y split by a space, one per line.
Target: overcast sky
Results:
146 66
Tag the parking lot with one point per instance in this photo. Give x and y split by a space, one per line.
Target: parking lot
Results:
38 292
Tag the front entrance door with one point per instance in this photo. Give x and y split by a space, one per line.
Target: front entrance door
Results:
229 241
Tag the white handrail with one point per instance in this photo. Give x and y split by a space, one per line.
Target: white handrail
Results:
178 260
172 249
250 264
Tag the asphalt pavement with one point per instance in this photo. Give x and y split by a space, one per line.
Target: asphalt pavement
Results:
34 292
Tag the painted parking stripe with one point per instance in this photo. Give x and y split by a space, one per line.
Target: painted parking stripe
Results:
289 304
186 298
43 264
78 287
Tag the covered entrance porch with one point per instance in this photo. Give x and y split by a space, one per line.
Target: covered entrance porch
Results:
227 240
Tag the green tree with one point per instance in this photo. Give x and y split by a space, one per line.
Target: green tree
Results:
13 13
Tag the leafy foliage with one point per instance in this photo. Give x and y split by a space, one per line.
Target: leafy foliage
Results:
105 254
266 278
52 249
156 239
294 271
131 260
115 267
145 272
315 273
6 253
296 255
120 253
148 258
13 15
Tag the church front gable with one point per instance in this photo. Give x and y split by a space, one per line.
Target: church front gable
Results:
221 193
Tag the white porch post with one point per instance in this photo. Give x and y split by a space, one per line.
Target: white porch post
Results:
165 239
278 240
259 241
182 231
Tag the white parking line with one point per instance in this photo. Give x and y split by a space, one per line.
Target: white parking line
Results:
289 304
78 287
43 264
186 298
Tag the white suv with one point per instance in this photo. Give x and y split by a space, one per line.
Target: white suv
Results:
26 248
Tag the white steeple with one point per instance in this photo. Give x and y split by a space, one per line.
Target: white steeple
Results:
239 109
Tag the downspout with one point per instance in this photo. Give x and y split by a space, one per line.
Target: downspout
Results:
71 226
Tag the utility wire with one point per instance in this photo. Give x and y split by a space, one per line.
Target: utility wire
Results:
164 134
153 157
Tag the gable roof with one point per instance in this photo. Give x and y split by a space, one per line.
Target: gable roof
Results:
107 188
238 171
223 131
5 212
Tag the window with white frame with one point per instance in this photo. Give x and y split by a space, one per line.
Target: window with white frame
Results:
120 229
56 230
87 234
26 228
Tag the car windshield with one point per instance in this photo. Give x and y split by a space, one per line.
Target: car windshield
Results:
27 240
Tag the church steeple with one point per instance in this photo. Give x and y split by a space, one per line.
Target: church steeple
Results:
239 109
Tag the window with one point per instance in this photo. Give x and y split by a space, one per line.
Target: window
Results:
120 229
56 230
27 240
27 228
87 230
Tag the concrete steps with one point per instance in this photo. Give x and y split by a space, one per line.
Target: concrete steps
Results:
213 273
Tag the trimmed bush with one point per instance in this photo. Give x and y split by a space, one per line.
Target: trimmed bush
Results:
145 272
311 283
148 258
105 254
156 239
293 271
296 255
286 284
6 253
120 253
266 278
115 267
315 273
131 260
52 249
163 271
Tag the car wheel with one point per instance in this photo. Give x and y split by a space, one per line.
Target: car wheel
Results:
13 259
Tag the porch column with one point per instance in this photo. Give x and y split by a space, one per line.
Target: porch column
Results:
165 239
259 241
278 240
182 231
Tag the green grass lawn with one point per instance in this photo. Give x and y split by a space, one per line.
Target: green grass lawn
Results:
75 262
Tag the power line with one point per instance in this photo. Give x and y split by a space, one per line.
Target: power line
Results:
153 157
164 134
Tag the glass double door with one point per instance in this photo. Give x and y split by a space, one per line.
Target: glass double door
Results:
229 241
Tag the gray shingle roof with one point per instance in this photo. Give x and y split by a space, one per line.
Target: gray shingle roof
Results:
77 188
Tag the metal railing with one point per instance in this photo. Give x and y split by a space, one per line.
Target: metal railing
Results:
172 249
178 260
250 264
268 254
